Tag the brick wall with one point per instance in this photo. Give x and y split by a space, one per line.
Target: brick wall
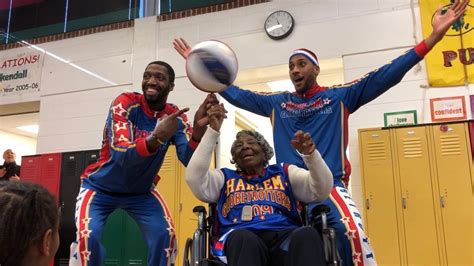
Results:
209 9
72 34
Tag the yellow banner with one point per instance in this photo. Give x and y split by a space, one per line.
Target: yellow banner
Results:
451 62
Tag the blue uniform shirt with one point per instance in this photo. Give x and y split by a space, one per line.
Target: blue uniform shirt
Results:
125 165
323 113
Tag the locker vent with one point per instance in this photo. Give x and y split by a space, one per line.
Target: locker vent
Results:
412 148
376 151
49 170
70 168
450 145
168 163
28 171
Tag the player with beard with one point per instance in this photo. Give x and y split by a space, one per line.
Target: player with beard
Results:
138 131
323 112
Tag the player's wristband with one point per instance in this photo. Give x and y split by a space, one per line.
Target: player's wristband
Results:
422 49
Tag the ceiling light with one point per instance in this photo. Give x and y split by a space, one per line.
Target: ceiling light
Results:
32 46
30 128
281 85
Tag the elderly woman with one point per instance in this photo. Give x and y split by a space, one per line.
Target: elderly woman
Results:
257 211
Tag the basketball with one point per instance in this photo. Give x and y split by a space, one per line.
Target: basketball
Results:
211 66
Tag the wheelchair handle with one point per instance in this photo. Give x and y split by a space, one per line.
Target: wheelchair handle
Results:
199 209
323 208
320 210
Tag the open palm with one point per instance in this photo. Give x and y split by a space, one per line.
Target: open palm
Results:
182 47
442 22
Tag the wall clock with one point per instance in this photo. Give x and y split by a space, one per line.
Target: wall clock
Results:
279 25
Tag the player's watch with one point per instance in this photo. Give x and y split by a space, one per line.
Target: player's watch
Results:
155 138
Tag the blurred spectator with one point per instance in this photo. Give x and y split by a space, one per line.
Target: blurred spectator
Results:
29 224
9 170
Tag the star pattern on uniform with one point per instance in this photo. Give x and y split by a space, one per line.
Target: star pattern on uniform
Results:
356 258
326 101
85 233
120 125
86 220
350 234
169 252
118 109
234 220
262 217
345 220
171 231
169 220
86 254
123 138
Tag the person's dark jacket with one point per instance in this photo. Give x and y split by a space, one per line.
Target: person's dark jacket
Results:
12 169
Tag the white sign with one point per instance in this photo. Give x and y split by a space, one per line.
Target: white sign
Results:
448 108
402 118
20 72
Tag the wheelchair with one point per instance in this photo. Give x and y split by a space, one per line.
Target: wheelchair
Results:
197 251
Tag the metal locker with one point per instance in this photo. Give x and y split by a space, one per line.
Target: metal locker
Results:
72 165
30 168
380 202
418 212
454 194
51 172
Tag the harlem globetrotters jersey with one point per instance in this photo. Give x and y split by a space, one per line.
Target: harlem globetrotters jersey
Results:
257 203
323 112
125 165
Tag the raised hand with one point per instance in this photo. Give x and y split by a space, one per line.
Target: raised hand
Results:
182 47
200 117
442 22
303 143
167 125
216 115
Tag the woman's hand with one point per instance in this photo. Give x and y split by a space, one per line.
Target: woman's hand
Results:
216 115
303 143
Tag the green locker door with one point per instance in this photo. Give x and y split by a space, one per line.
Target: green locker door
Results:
419 220
113 238
379 194
452 149
135 250
123 241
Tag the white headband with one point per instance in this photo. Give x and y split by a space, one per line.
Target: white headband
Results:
306 54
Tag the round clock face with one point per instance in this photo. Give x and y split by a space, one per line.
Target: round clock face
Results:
279 24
